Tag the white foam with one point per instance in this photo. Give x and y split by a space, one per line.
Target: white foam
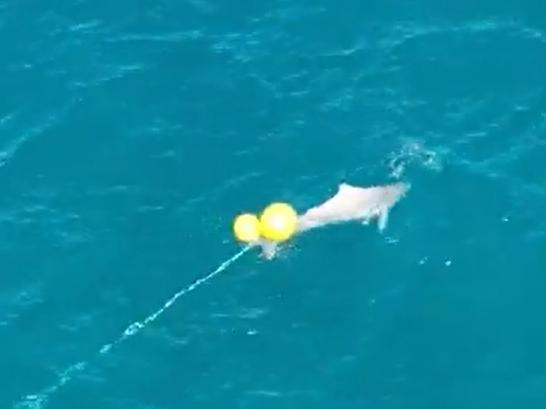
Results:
413 152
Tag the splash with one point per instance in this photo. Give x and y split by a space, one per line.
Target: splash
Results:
411 153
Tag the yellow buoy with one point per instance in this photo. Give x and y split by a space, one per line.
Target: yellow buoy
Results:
278 222
246 228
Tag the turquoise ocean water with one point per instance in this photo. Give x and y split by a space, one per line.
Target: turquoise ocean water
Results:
131 133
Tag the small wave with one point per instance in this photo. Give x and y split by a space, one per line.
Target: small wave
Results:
15 304
170 37
21 137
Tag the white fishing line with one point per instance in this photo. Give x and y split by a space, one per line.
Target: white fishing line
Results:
40 399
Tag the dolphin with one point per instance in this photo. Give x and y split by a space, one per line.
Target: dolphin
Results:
354 203
350 203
